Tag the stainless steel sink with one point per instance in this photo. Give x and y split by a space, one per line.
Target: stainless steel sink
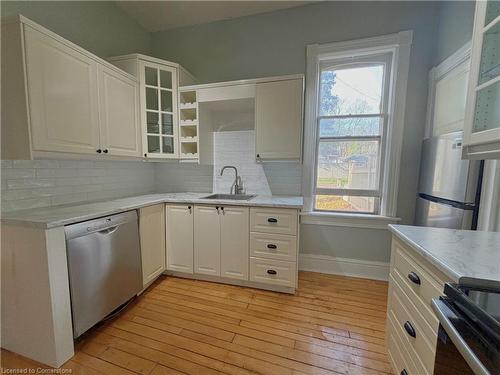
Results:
234 197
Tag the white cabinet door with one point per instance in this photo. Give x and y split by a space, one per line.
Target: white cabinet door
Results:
152 232
119 114
207 240
278 119
62 88
179 235
234 237
159 117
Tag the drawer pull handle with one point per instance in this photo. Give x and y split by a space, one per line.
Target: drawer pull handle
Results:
414 278
404 372
272 272
409 329
271 246
272 220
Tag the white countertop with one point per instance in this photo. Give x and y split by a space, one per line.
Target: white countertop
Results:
463 255
50 217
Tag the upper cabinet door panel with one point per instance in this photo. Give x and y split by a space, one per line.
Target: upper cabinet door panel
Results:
120 130
62 87
159 110
278 119
482 121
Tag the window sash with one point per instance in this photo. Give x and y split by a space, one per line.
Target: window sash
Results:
352 192
381 138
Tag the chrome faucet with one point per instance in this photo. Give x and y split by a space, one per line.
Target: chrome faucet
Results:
237 184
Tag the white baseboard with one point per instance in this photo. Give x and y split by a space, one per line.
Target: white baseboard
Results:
344 266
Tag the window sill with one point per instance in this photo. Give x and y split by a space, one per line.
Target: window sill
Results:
348 220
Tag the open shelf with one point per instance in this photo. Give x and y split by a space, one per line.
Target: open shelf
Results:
188 125
189 114
189 150
187 97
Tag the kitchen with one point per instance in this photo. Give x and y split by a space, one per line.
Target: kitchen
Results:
260 167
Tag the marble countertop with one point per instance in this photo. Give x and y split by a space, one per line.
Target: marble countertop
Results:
50 217
463 255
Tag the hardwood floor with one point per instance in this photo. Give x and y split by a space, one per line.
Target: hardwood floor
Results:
332 325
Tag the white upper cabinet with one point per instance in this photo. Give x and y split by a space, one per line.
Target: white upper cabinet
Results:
278 120
119 111
159 98
60 98
482 120
62 84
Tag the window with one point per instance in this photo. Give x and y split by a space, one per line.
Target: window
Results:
354 121
351 121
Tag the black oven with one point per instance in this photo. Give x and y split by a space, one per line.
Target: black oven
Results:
469 331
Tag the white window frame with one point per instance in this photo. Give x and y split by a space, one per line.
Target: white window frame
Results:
399 45
338 64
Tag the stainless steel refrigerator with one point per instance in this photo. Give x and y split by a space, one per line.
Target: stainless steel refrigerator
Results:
449 187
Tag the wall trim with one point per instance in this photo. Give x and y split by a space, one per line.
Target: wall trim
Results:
365 269
347 220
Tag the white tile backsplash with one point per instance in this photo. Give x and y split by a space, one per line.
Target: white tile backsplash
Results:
41 183
237 148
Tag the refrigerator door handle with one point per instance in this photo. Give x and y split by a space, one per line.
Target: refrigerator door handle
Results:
448 202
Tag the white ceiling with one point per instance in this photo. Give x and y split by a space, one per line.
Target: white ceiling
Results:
164 15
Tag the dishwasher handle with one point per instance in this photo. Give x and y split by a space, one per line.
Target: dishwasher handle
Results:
104 225
108 230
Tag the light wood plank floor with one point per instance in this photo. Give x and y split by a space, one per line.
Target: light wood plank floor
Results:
332 325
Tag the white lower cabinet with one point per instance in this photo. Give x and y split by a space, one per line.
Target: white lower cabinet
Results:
272 271
221 241
179 235
152 234
412 327
234 242
207 240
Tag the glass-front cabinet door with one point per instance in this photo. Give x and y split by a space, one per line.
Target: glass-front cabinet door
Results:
482 130
159 117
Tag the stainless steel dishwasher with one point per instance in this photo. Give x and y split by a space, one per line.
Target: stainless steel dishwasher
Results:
104 264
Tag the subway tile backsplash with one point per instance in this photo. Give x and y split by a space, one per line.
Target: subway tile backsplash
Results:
42 183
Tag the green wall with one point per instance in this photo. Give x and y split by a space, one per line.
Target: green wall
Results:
98 26
275 44
456 21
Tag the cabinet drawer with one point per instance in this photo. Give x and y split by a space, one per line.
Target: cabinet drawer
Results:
405 313
273 246
402 356
273 220
270 271
424 288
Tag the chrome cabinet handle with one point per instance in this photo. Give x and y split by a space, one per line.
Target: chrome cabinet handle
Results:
414 278
409 329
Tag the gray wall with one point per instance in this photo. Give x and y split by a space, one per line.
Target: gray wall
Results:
275 43
456 21
98 26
